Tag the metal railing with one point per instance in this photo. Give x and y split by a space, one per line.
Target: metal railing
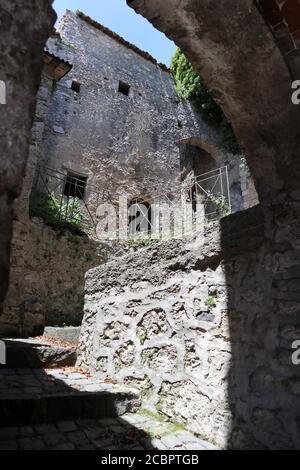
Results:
68 201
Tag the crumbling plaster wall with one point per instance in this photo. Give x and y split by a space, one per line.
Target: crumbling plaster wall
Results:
25 27
47 268
123 144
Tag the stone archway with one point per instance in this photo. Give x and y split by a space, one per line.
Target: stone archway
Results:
234 49
194 158
231 44
195 163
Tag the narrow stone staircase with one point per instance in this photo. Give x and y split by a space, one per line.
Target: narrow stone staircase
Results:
48 403
35 353
41 384
31 396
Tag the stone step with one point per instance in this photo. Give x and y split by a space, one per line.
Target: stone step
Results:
66 333
35 353
29 397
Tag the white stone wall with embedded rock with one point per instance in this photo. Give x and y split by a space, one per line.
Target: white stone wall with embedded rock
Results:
147 323
189 323
160 335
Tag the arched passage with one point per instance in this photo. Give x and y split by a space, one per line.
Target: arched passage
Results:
196 157
235 51
212 182
248 66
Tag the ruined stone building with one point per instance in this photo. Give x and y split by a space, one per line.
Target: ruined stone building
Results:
108 121
204 326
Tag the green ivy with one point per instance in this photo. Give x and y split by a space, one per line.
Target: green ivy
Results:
189 86
228 138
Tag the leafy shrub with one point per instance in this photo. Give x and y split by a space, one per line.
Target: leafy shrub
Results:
60 216
220 202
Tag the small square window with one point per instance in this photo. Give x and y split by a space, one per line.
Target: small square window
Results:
124 88
75 186
75 86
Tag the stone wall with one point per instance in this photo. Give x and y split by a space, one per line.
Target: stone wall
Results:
234 50
50 289
10 317
248 191
204 326
47 267
81 132
25 27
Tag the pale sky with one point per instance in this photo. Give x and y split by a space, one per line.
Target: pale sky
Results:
117 16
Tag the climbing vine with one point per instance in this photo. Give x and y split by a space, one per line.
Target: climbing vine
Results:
189 86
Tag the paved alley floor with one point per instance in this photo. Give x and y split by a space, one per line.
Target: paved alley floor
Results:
139 430
130 432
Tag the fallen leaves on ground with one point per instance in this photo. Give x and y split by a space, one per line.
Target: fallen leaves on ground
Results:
55 342
72 370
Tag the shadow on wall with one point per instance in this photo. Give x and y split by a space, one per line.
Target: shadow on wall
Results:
196 160
262 280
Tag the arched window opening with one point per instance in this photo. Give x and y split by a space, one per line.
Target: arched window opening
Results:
205 183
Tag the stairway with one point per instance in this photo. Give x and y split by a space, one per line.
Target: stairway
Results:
40 384
35 353
31 396
44 406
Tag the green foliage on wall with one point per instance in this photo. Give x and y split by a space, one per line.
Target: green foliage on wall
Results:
189 86
210 302
60 215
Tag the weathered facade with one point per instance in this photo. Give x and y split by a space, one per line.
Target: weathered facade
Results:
254 402
107 113
247 396
43 266
122 127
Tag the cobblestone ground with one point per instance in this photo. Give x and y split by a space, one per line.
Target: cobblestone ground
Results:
141 431
130 432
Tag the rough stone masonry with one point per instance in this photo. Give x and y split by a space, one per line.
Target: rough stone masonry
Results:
235 50
204 327
118 142
122 127
25 27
